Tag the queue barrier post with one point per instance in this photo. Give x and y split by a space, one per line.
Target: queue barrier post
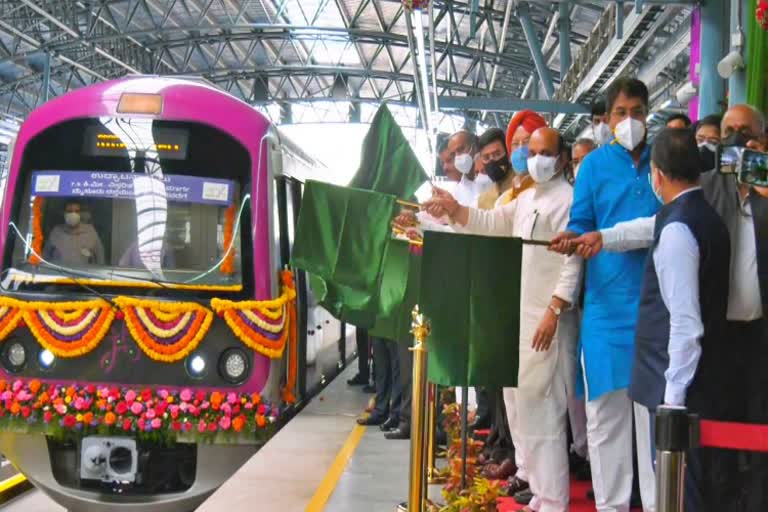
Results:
676 432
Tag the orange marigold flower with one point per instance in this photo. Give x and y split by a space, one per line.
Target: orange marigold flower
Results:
44 398
3 385
260 420
88 417
110 418
216 399
255 398
34 386
15 408
71 391
238 423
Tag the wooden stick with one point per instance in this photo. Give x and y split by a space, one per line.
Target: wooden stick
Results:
408 204
536 242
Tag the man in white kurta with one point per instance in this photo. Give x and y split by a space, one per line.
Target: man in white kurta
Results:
548 322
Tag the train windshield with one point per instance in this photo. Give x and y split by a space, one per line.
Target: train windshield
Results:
146 220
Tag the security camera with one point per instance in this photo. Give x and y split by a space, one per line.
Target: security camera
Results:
686 93
730 63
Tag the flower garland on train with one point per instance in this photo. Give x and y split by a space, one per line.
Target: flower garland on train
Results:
266 325
159 414
165 331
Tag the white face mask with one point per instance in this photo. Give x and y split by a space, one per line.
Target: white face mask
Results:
483 180
630 133
602 133
463 163
72 219
576 170
542 168
710 146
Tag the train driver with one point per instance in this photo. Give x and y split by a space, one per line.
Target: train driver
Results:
74 242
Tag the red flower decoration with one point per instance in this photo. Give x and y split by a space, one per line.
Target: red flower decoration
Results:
762 14
69 421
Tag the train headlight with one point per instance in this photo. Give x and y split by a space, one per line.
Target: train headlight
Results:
15 356
46 359
233 365
196 365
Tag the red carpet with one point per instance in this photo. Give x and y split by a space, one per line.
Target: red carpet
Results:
579 501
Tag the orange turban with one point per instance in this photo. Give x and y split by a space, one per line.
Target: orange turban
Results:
528 119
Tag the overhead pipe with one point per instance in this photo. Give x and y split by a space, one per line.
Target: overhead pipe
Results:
620 19
565 40
502 43
524 15
737 82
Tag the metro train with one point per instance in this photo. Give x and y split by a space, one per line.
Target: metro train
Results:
152 336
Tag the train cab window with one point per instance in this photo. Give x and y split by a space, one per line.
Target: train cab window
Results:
132 219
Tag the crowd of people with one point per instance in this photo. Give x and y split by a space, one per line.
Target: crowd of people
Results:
652 292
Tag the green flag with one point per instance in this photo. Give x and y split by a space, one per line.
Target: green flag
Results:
470 292
340 240
388 164
398 292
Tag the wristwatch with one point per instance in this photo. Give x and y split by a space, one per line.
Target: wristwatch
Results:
557 311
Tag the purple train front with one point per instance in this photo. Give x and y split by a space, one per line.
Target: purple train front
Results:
151 336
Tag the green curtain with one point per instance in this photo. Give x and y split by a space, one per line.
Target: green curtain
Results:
756 61
470 292
388 164
341 238
398 292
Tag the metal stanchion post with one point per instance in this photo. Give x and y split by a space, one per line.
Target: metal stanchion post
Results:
433 414
672 441
417 476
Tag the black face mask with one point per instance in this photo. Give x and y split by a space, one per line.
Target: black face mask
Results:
707 157
498 169
737 139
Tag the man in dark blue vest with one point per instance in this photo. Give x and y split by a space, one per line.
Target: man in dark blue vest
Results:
682 316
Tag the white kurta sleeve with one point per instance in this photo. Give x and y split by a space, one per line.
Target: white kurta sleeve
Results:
629 235
496 222
569 281
429 223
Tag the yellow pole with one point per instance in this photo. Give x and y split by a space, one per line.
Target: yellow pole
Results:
432 415
417 477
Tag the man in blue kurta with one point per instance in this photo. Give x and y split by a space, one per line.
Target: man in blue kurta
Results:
613 186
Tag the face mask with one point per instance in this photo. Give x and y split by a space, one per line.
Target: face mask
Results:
483 180
602 133
497 170
707 155
463 163
519 160
72 219
657 194
542 168
630 133
737 139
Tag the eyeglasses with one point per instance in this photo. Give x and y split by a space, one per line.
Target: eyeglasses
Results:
491 157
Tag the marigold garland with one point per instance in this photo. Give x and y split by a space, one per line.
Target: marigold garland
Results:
228 266
87 409
266 325
68 329
10 315
166 343
37 230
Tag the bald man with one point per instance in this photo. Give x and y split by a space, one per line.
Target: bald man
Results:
548 322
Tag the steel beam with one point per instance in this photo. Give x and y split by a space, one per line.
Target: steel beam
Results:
510 105
524 15
565 40
714 28
676 44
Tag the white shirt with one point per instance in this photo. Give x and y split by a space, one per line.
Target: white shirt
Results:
676 258
744 302
467 191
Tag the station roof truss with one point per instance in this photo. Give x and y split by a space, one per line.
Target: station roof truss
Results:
310 51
